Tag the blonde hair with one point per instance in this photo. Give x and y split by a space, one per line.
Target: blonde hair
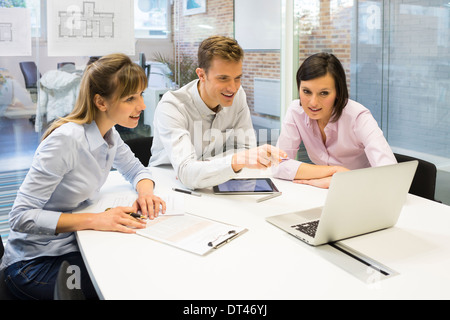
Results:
113 76
220 47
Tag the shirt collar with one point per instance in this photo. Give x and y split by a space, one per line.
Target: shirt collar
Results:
94 137
200 104
333 126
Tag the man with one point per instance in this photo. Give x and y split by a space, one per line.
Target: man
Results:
204 129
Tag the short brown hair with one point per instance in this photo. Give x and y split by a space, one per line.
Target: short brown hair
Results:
221 47
318 65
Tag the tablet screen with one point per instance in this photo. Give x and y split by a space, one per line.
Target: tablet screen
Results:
257 185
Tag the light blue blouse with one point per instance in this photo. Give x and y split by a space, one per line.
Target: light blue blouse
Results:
68 170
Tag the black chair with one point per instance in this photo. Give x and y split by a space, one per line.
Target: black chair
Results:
62 292
144 65
424 182
30 74
5 294
92 59
69 65
141 148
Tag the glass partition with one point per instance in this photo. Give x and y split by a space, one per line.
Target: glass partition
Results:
397 59
261 67
20 30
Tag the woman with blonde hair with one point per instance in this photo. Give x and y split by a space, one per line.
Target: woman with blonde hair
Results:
69 167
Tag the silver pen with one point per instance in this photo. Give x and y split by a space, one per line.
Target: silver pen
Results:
273 195
187 192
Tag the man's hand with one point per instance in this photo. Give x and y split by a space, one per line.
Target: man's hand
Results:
261 157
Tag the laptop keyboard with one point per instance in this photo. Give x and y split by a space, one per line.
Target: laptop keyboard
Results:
309 228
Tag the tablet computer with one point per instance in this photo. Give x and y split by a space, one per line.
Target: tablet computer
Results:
246 186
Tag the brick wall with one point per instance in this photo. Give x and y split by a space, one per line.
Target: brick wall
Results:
333 34
330 32
219 19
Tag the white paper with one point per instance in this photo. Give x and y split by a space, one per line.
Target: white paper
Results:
174 202
90 28
15 32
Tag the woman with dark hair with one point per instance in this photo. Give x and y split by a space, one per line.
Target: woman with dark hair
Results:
339 134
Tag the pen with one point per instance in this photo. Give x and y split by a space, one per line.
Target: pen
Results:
137 215
187 192
133 214
273 195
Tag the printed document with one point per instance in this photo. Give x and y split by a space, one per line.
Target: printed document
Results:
190 232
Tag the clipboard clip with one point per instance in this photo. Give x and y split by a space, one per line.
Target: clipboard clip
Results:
215 246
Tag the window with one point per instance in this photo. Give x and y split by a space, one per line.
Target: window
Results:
34 6
151 19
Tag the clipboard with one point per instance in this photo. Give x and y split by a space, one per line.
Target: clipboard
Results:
191 233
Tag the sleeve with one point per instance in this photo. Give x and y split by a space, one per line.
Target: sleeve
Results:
47 170
128 165
176 138
371 137
289 141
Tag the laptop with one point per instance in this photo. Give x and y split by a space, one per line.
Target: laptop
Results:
358 202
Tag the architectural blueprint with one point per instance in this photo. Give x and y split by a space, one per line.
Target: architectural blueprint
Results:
87 23
15 32
90 27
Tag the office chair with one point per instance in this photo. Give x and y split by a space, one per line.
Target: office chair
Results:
141 147
144 65
62 292
424 182
5 294
30 74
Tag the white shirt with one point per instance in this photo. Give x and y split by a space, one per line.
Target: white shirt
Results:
197 141
68 170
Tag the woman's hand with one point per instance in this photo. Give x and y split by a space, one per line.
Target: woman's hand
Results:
115 219
149 204
118 219
323 183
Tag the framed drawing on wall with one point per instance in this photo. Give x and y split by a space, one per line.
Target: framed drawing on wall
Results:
191 7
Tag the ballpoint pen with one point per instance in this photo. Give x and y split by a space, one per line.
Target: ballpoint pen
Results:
137 215
187 192
133 214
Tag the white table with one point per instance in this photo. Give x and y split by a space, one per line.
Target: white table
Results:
266 263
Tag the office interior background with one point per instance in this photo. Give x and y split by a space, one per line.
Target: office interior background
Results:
396 55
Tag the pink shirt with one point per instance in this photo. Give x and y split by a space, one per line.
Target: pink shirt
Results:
354 141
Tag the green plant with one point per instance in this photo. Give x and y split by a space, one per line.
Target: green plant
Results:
186 65
13 3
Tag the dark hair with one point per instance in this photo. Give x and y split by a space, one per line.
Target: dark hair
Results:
221 47
318 65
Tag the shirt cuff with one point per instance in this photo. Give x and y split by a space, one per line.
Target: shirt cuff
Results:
287 170
46 222
144 174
